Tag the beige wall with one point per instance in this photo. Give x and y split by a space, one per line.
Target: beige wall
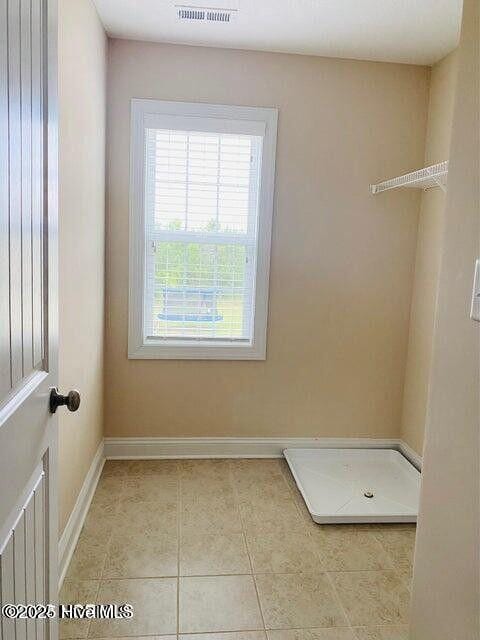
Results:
82 85
342 260
429 244
446 594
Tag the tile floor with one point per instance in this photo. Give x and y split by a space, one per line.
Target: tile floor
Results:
226 548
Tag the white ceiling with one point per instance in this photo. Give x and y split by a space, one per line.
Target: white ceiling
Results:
410 31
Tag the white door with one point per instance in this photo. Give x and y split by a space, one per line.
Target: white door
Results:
28 311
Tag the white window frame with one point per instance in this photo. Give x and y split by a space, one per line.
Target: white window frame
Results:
228 118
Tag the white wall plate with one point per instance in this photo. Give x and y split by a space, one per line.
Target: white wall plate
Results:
356 485
475 305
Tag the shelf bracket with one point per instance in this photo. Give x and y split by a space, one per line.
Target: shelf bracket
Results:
440 184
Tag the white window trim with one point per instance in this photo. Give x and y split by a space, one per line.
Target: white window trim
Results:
252 118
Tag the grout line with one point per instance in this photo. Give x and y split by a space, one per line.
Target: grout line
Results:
244 533
407 581
267 631
179 539
337 598
107 546
395 567
258 599
110 537
314 572
229 632
96 598
100 578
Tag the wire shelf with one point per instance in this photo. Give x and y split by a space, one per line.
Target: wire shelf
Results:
427 178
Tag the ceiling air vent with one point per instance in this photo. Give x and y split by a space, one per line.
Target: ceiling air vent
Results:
191 14
204 14
218 16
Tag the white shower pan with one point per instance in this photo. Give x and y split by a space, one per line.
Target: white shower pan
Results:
356 485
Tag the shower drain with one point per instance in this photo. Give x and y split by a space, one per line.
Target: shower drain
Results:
368 493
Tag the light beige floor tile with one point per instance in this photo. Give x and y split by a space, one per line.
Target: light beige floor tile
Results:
138 517
250 487
311 634
232 635
76 592
393 526
205 478
138 501
210 515
282 552
215 488
407 576
88 558
172 637
295 492
150 488
349 548
385 528
225 603
287 474
154 602
307 519
259 468
213 554
149 555
270 515
399 544
372 597
298 601
163 468
290 480
215 469
109 490
168 637
382 633
115 468
99 523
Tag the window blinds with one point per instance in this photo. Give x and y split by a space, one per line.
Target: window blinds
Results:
201 215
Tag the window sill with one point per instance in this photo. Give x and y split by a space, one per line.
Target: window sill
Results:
193 351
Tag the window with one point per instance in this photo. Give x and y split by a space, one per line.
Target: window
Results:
202 180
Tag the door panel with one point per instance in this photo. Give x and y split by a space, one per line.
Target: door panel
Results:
26 183
7 593
19 565
14 192
5 382
20 559
30 546
40 564
22 193
37 123
28 310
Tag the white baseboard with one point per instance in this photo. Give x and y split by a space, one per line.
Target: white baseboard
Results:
128 448
69 537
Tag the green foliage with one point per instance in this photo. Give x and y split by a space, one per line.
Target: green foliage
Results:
199 265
